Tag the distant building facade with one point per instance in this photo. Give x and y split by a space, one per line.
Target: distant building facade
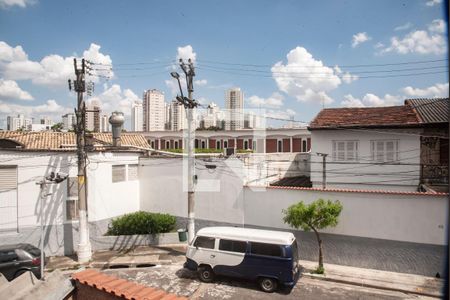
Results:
137 114
92 117
234 103
19 122
104 123
69 121
154 114
177 116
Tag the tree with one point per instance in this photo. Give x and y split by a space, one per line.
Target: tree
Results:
57 127
317 215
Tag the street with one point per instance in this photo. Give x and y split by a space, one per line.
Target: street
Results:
174 279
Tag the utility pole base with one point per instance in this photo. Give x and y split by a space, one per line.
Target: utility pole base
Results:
84 253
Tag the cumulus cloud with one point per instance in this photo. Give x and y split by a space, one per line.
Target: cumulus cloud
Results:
304 77
421 41
437 25
433 2
114 98
349 78
52 70
360 38
280 114
201 82
11 3
274 101
404 26
439 90
371 100
186 52
10 90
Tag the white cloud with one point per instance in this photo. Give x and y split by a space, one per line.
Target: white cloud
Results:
280 114
274 101
201 82
433 2
378 45
52 70
305 78
439 90
186 52
350 101
403 27
360 38
349 78
421 41
48 109
9 89
437 25
114 98
104 62
11 3
371 100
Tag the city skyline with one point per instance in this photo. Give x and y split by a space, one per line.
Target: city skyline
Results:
283 55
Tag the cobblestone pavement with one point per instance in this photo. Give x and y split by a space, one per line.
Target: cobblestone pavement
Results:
175 279
378 254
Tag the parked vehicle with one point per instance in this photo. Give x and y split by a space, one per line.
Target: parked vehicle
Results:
268 257
19 258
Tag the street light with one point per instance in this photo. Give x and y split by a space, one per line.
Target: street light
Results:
177 77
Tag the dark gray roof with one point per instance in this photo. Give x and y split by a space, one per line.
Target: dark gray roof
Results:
298 181
430 110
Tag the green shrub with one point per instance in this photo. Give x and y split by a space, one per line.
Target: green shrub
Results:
141 222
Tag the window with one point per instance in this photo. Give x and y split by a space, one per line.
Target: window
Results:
225 144
233 246
384 150
203 145
176 145
246 144
280 146
304 146
345 150
132 172
118 173
72 199
266 249
204 242
167 144
218 145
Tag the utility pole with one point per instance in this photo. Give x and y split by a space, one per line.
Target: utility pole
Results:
84 246
189 104
324 169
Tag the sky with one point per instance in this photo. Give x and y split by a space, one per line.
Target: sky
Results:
290 58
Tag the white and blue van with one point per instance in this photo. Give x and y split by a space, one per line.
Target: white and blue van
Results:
268 257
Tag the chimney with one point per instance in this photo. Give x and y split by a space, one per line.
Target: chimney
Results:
116 120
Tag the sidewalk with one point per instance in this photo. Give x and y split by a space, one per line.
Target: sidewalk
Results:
401 282
174 254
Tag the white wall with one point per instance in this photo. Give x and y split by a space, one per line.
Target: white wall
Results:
411 218
400 217
105 199
363 174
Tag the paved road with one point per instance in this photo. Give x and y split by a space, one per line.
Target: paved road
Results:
174 279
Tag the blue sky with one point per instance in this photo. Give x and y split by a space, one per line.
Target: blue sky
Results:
282 54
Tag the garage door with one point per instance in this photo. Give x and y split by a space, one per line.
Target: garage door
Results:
8 198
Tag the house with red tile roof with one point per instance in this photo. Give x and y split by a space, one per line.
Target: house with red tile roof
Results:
403 148
26 157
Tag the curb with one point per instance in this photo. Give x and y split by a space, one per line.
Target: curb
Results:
321 277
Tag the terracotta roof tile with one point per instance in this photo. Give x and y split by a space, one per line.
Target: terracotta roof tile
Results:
121 287
391 116
66 141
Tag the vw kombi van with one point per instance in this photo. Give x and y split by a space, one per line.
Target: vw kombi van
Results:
268 257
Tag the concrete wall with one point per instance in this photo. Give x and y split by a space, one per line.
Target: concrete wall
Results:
400 217
402 175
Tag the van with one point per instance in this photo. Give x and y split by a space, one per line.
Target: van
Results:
267 257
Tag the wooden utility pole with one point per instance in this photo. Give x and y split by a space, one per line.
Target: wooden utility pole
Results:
84 247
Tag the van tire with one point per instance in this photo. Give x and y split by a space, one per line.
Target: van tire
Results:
206 274
268 285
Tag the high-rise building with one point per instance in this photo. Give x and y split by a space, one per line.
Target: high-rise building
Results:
137 114
69 121
92 117
234 103
167 116
153 106
19 122
177 116
211 119
46 121
104 123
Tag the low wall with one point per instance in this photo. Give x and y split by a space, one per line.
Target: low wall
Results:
122 242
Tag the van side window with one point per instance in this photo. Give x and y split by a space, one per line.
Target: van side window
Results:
233 246
266 249
204 242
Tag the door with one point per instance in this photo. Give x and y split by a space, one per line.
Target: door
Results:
203 251
8 198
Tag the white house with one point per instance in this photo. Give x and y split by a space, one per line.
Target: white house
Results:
25 158
381 148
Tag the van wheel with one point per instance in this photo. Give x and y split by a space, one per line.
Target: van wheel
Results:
268 285
206 274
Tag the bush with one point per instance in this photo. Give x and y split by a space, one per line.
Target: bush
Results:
141 222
